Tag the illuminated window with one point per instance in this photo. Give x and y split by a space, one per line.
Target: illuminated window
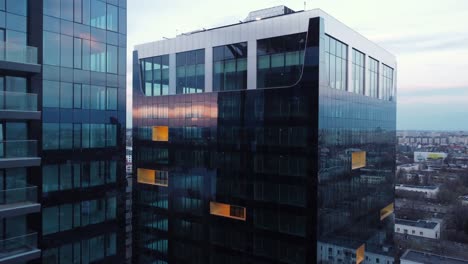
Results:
160 133
360 253
385 212
153 177
227 210
358 160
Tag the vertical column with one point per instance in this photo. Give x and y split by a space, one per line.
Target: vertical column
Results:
208 69
172 73
252 64
349 69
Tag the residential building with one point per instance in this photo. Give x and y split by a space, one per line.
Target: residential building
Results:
420 228
418 257
19 150
252 142
427 191
62 153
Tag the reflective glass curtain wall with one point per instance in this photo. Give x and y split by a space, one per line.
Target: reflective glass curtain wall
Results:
83 91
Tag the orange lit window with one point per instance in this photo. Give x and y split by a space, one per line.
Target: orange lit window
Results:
227 210
360 254
385 212
358 160
153 177
160 133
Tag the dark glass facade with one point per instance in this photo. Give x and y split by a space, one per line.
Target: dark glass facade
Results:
262 175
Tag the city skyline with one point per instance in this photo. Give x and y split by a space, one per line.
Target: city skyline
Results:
432 54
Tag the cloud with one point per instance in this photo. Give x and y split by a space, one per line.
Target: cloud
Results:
423 43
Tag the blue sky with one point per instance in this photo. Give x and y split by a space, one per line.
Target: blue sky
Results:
429 38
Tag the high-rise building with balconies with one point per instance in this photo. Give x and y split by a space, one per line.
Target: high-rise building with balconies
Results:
62 131
267 141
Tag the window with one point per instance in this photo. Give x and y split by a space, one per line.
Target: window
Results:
50 179
155 73
160 133
190 72
387 211
77 96
77 53
51 48
98 14
387 91
66 136
66 51
336 60
111 98
153 177
358 159
373 80
421 233
112 17
112 59
66 95
50 220
227 210
19 7
97 97
66 217
280 60
52 8
358 71
98 56
50 136
230 67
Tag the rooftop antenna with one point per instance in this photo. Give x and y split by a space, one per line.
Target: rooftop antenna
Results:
305 4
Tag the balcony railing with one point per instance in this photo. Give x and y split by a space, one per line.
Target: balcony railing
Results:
18 53
18 149
14 101
18 195
18 245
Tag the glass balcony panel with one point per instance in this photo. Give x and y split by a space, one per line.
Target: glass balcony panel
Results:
17 245
18 149
18 53
14 101
18 195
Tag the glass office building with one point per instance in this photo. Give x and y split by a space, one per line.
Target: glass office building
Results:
62 146
277 145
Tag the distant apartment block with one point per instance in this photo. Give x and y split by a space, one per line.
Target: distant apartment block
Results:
420 228
428 191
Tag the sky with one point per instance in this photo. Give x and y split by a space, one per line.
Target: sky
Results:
428 37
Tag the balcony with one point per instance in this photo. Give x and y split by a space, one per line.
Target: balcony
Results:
19 153
19 201
19 249
17 57
14 105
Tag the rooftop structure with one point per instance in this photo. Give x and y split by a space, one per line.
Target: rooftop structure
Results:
419 257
